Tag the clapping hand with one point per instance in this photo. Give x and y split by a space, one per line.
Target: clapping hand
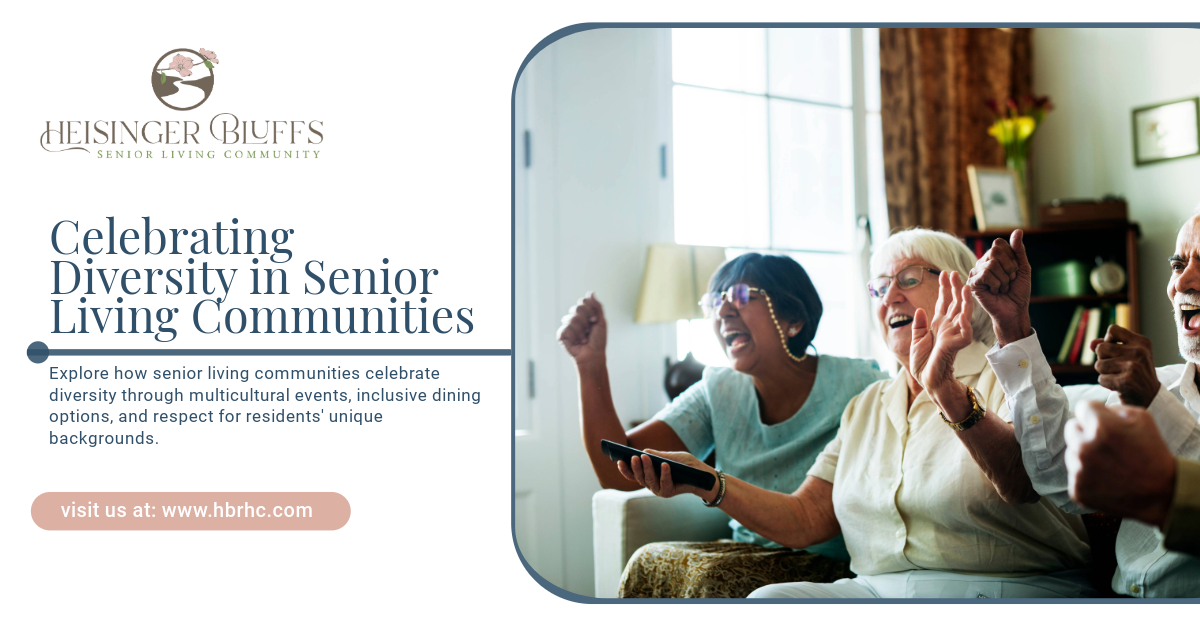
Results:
936 341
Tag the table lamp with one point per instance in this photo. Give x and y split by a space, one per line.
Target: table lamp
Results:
675 278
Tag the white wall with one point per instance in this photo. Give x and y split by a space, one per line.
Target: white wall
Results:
598 114
1096 78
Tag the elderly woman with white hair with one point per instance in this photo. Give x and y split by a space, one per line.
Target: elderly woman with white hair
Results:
924 478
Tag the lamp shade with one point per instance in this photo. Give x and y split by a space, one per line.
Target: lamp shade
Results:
675 278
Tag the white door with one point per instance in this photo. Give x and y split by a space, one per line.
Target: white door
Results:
537 514
591 200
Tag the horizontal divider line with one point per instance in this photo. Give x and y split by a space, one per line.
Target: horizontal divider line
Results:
279 352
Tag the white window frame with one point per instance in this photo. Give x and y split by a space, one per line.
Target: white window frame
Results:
860 252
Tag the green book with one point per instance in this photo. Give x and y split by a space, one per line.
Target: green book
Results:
1070 337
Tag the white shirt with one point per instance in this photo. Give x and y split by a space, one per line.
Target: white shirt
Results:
1040 409
908 495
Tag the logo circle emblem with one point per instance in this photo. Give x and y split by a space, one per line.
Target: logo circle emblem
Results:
182 79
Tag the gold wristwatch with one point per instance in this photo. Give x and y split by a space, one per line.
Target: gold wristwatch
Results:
977 413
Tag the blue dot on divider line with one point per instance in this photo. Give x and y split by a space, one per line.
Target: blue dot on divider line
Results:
37 352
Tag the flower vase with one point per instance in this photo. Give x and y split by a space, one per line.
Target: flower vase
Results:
1019 164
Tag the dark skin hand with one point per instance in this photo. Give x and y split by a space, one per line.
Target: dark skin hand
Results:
800 519
1002 281
584 334
1103 444
1125 362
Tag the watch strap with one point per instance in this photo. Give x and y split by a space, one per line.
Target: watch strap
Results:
977 413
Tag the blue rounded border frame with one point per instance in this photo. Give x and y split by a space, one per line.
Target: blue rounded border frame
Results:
586 26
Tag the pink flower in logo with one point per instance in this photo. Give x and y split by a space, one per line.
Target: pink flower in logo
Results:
210 55
182 64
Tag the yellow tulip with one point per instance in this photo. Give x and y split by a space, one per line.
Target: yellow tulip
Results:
1006 136
1025 127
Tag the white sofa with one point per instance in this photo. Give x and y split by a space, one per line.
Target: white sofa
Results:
624 521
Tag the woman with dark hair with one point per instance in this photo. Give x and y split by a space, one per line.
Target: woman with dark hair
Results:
767 416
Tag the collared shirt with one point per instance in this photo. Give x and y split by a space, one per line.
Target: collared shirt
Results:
908 495
1040 409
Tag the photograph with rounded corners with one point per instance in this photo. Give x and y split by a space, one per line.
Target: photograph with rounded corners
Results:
776 339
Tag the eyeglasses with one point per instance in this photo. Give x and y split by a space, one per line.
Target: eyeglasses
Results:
907 278
739 294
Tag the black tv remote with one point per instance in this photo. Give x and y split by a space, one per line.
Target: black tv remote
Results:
680 473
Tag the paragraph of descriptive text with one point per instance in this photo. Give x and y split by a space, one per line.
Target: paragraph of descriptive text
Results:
131 405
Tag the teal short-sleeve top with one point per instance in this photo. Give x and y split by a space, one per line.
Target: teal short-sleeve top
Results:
721 411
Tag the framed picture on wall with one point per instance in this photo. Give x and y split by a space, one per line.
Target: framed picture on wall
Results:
1166 131
998 198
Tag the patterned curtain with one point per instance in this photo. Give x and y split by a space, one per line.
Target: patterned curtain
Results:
935 83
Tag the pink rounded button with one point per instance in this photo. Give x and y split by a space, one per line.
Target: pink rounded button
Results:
190 511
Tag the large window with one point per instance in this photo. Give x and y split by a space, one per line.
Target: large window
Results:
778 148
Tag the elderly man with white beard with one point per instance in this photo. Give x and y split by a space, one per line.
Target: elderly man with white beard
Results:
1137 464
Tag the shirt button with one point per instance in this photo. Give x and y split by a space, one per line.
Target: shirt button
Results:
1135 589
1023 364
900 535
1035 419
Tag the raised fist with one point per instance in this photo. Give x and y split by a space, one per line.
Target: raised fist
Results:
584 331
1125 362
1002 280
1117 462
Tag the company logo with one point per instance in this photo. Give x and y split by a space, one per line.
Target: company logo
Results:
183 78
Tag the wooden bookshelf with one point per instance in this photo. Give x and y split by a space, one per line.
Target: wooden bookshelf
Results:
1056 229
1050 314
1082 300
1072 369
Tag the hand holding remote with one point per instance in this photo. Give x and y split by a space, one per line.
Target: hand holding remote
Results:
659 480
666 474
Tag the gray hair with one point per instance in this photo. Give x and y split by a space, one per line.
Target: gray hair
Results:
941 250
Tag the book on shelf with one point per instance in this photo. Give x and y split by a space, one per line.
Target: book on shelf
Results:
1122 315
1088 356
1069 338
1077 342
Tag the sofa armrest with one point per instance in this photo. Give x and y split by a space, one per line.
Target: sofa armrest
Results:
624 521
